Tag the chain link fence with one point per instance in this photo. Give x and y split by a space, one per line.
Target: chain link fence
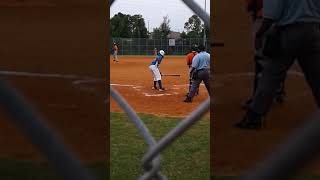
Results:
151 159
145 46
300 148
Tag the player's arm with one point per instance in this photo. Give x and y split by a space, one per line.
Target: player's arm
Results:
158 59
195 64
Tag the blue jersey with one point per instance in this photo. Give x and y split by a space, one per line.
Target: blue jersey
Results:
201 61
157 60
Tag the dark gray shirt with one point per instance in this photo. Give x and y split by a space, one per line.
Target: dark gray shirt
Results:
286 12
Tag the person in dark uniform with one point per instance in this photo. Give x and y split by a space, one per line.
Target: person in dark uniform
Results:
297 37
200 70
255 8
193 52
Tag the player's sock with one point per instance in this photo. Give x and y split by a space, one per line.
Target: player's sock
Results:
155 84
160 84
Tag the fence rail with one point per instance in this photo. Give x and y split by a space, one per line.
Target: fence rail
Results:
145 46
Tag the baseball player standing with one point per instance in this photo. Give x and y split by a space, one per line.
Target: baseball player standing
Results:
255 8
154 68
189 59
155 52
201 72
115 52
297 38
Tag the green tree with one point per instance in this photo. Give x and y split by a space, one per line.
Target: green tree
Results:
138 27
193 24
194 28
163 30
127 26
120 26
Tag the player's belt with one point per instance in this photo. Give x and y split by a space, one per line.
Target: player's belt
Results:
203 69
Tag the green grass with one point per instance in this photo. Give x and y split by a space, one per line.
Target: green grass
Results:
33 170
187 158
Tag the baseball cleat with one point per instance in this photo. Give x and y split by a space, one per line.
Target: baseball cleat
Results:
280 99
246 104
188 100
251 121
162 89
154 88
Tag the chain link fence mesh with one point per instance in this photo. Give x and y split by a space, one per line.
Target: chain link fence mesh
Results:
146 46
284 163
302 145
151 159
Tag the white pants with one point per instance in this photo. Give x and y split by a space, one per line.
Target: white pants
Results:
155 72
115 56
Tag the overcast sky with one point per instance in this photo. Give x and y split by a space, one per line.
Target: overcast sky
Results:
153 11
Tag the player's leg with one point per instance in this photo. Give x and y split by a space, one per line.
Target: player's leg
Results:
205 76
190 81
280 96
257 62
116 56
152 67
272 75
310 66
158 78
195 85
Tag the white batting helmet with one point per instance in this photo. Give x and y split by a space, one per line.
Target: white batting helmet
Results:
162 52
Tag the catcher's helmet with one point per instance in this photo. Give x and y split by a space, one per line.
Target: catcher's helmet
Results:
162 52
194 47
201 48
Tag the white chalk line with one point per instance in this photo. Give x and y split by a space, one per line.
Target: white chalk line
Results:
157 95
77 80
139 88
48 75
246 74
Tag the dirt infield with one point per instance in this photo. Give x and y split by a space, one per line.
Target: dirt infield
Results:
133 79
234 151
57 62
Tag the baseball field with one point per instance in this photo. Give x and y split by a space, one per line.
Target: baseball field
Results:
57 62
186 158
234 150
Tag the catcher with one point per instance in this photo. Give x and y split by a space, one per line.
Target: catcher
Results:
201 68
189 59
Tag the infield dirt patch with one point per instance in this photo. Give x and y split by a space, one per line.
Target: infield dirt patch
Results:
45 51
134 81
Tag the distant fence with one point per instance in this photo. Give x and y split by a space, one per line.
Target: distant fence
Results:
145 46
152 158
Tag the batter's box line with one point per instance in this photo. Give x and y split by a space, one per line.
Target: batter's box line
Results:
138 88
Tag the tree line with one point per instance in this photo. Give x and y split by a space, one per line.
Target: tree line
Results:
133 26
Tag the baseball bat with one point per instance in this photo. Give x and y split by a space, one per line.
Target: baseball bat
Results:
170 74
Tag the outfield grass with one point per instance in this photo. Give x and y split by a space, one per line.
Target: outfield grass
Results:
186 158
32 170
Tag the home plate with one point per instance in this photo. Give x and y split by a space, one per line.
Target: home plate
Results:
150 95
